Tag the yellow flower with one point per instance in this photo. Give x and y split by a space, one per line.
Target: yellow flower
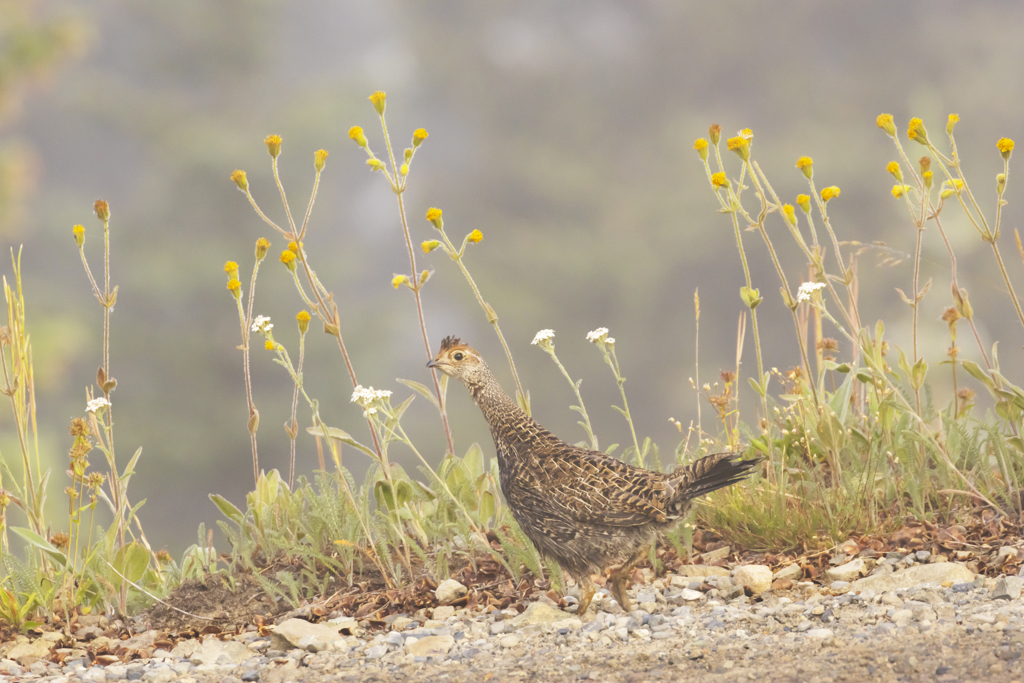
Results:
268 345
418 136
240 180
884 121
916 131
319 159
829 192
303 318
378 101
434 216
927 175
740 145
273 145
288 259
404 169
804 202
894 168
356 133
701 145
898 190
790 213
1005 147
950 122
806 164
292 246
958 184
474 236
261 248
715 133
79 232
231 268
398 280
103 209
235 287
719 180
430 245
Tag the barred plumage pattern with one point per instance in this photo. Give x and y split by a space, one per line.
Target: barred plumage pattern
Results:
585 509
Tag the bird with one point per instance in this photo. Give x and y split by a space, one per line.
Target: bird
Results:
584 509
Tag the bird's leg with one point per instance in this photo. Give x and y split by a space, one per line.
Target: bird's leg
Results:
620 579
586 593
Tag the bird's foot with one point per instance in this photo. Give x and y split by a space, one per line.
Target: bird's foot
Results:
620 591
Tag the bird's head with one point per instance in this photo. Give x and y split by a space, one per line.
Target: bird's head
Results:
460 361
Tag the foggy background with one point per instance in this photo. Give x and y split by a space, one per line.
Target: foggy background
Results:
562 130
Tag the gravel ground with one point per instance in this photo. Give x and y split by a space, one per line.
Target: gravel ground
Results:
890 626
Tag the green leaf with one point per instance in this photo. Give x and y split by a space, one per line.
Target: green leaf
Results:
422 390
474 460
227 508
131 561
344 437
38 541
979 374
918 373
757 387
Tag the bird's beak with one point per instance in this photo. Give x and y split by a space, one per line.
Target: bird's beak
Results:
434 363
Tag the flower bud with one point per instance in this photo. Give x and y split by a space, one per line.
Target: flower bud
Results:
916 131
273 143
424 276
235 287
375 164
378 101
79 232
407 156
806 165
434 216
899 190
790 213
950 123
715 133
319 159
474 236
893 167
418 136
1005 147
231 268
884 121
829 193
804 202
261 248
240 180
947 193
356 133
926 163
927 176
1000 183
303 318
719 180
429 246
288 259
399 280
701 145
404 169
293 247
269 345
103 209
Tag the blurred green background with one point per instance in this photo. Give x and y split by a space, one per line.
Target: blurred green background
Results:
562 130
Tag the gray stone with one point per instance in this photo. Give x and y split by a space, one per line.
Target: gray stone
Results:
450 590
716 555
299 633
690 595
431 646
376 652
756 577
1007 588
444 612
27 653
510 640
915 576
687 572
163 674
497 628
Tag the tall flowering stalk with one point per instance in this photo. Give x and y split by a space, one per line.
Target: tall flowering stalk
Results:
545 340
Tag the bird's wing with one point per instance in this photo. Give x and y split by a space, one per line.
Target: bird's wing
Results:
595 488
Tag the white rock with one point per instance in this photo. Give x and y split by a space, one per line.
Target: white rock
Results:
551 618
819 633
214 651
914 576
1007 588
690 572
690 595
444 612
792 572
299 633
851 571
450 590
716 555
756 577
431 646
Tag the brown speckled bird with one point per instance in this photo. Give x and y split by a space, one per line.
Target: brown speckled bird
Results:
582 508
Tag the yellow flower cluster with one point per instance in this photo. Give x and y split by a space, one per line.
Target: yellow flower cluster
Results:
790 213
829 193
288 259
950 123
719 180
377 99
884 121
893 167
806 164
916 131
434 216
240 180
79 232
804 202
319 159
418 136
1005 147
701 145
356 133
303 318
273 143
475 236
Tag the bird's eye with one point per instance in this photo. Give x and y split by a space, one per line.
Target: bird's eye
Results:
458 355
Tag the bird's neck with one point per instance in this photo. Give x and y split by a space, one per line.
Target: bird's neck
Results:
510 426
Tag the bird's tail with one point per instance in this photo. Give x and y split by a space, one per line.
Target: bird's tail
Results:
711 473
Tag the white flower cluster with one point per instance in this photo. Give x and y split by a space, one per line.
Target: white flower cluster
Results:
543 335
808 289
262 324
95 404
367 396
600 335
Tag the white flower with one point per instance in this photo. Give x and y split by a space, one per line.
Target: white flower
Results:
543 335
807 289
597 336
366 396
262 324
95 404
610 340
